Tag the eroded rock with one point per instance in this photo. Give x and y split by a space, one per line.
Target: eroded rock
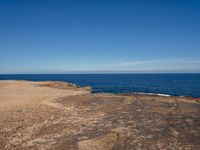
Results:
74 119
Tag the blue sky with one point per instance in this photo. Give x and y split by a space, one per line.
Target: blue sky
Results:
45 36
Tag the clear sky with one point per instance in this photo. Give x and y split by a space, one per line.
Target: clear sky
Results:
54 36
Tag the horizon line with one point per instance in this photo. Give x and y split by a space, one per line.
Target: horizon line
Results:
100 73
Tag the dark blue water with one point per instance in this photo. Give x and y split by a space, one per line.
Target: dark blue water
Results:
172 84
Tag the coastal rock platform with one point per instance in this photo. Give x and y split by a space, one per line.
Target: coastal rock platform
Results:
62 116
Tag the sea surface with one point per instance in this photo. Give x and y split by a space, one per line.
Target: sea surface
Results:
169 84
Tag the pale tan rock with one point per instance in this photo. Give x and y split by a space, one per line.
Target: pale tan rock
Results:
63 116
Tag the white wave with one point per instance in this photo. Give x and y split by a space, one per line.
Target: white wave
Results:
159 94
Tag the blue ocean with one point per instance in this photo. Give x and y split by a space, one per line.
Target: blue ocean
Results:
170 84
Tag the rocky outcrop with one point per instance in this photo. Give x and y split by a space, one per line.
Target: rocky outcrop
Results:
84 121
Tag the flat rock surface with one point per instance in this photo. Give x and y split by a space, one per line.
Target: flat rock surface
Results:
61 116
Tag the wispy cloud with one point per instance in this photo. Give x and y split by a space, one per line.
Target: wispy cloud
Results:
158 61
173 65
132 63
153 65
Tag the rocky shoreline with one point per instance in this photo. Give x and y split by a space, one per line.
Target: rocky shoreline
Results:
63 116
